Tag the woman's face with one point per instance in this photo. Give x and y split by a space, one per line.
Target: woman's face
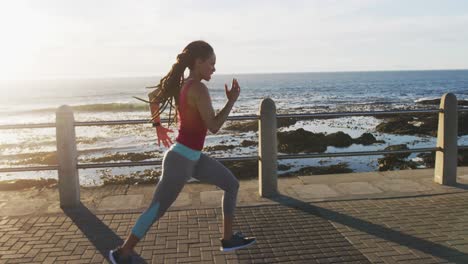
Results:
206 67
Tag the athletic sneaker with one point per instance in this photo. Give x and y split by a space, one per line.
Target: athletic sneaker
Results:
116 257
237 241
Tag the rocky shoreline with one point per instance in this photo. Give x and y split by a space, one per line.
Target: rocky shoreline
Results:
290 142
421 124
301 140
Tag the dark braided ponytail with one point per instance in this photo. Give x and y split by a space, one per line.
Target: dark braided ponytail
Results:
167 91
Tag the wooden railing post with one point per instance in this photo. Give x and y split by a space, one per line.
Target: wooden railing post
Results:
67 155
445 171
267 149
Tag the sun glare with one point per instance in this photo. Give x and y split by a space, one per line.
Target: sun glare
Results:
23 33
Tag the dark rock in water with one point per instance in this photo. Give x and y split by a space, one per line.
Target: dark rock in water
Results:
43 158
243 169
395 164
244 143
301 140
367 139
248 143
219 147
437 102
139 177
283 167
249 169
421 124
125 156
396 161
339 139
312 170
429 158
397 147
407 125
246 126
286 122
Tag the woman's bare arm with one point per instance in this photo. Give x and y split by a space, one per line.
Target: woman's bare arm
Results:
203 102
161 131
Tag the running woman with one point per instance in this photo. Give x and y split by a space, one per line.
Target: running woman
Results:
184 158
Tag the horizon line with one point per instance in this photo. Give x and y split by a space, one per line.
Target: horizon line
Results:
240 73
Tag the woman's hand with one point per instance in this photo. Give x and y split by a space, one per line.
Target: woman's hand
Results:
161 132
232 94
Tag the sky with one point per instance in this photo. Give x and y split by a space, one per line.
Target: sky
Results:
51 39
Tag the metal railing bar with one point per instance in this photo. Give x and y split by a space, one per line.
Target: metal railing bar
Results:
355 153
114 164
244 158
366 113
145 121
20 169
150 163
118 164
243 117
112 123
22 126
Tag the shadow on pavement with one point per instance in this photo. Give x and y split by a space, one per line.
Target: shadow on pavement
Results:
461 186
99 234
428 247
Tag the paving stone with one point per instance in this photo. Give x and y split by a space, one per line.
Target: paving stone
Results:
54 207
423 227
211 197
182 200
91 239
121 202
355 188
19 207
314 191
401 185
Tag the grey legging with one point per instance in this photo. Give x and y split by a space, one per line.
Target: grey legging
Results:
176 170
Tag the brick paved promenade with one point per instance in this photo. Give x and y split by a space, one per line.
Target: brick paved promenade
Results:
427 227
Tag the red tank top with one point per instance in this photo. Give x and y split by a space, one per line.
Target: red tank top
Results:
192 129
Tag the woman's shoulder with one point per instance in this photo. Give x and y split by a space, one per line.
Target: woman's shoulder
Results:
197 88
